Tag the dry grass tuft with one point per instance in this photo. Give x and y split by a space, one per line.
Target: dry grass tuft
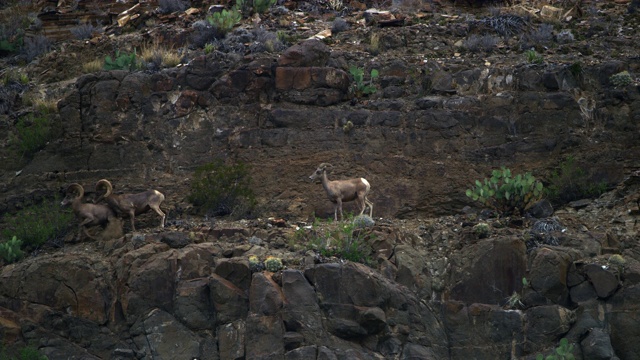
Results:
93 66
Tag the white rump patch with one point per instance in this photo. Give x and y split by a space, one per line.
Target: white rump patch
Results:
366 183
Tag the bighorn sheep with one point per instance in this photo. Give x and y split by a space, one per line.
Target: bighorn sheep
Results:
340 191
132 204
91 214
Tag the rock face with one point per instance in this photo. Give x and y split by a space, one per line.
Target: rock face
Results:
440 292
173 311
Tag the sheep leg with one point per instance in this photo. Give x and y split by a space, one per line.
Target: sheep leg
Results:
337 208
159 212
361 204
132 215
370 207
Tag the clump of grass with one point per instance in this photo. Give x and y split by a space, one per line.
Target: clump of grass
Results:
93 66
160 56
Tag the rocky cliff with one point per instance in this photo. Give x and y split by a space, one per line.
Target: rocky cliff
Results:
435 288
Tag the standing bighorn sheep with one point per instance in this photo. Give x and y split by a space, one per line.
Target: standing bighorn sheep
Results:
340 191
91 214
132 204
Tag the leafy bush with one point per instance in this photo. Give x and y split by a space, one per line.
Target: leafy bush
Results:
37 224
621 79
218 189
225 20
122 61
505 193
10 251
359 87
564 351
570 182
35 46
33 133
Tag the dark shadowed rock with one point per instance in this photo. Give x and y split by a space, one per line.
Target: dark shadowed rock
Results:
229 301
192 305
265 337
163 337
265 296
604 282
499 262
231 340
308 53
549 274
302 353
416 352
546 323
235 270
175 239
541 209
597 346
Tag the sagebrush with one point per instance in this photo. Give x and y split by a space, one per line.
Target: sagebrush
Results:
219 189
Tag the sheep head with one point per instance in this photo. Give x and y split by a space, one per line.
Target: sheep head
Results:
321 168
73 191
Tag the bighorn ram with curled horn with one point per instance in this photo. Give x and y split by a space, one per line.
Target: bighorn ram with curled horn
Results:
132 204
91 214
340 191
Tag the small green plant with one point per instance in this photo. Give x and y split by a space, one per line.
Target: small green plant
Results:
273 264
621 79
533 57
122 61
209 48
564 351
570 182
506 193
344 241
218 189
225 20
514 301
11 251
617 259
36 224
359 86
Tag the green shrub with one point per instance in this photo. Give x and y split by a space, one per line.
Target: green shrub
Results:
533 57
37 224
359 86
10 251
505 193
570 182
224 21
122 61
564 351
218 189
33 133
341 240
261 6
621 79
25 353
